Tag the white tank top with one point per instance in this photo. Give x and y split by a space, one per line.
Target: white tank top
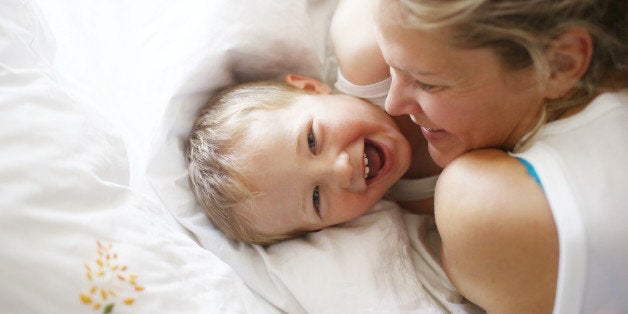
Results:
375 93
582 164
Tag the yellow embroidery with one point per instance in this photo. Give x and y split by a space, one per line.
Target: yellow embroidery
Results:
108 280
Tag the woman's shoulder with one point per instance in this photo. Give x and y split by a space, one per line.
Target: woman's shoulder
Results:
488 188
500 246
352 33
485 177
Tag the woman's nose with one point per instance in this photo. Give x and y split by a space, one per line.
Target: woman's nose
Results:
400 98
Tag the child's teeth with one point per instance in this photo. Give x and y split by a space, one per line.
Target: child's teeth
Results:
366 168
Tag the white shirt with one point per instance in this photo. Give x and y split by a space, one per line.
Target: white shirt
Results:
582 163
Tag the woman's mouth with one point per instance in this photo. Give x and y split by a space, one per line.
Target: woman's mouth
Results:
433 134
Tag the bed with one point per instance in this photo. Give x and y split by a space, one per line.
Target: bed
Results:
96 211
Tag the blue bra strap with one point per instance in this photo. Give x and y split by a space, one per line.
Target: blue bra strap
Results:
530 170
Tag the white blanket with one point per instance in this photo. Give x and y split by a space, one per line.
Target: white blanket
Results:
96 212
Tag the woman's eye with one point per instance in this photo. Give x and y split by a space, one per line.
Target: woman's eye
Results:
316 200
311 142
423 86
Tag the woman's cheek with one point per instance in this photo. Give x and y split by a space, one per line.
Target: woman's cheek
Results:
441 112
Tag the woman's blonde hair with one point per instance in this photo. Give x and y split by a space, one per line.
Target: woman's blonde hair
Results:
520 31
214 163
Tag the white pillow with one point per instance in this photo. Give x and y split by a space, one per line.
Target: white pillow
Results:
74 235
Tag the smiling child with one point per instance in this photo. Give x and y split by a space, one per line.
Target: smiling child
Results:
272 160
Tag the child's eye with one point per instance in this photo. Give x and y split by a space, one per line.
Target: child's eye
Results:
311 141
316 200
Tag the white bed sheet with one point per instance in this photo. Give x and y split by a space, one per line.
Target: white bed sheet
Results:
75 236
92 164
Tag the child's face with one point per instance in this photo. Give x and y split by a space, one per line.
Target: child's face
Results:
307 162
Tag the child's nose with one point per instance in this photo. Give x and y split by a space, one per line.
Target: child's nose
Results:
345 174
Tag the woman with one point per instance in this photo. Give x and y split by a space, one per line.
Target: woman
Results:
525 104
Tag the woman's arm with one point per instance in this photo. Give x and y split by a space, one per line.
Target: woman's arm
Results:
500 244
353 36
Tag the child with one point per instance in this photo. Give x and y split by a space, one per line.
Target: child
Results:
270 160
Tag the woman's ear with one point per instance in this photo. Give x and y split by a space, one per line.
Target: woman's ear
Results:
307 83
568 58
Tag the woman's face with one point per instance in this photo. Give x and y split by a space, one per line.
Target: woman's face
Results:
463 99
324 160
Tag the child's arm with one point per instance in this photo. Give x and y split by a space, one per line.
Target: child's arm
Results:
353 35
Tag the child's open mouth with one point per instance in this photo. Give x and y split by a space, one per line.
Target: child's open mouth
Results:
374 160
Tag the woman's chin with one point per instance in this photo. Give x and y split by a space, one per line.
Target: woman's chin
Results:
442 158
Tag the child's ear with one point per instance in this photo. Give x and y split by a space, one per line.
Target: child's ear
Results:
568 58
306 83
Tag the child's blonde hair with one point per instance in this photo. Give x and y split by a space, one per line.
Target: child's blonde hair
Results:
214 163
